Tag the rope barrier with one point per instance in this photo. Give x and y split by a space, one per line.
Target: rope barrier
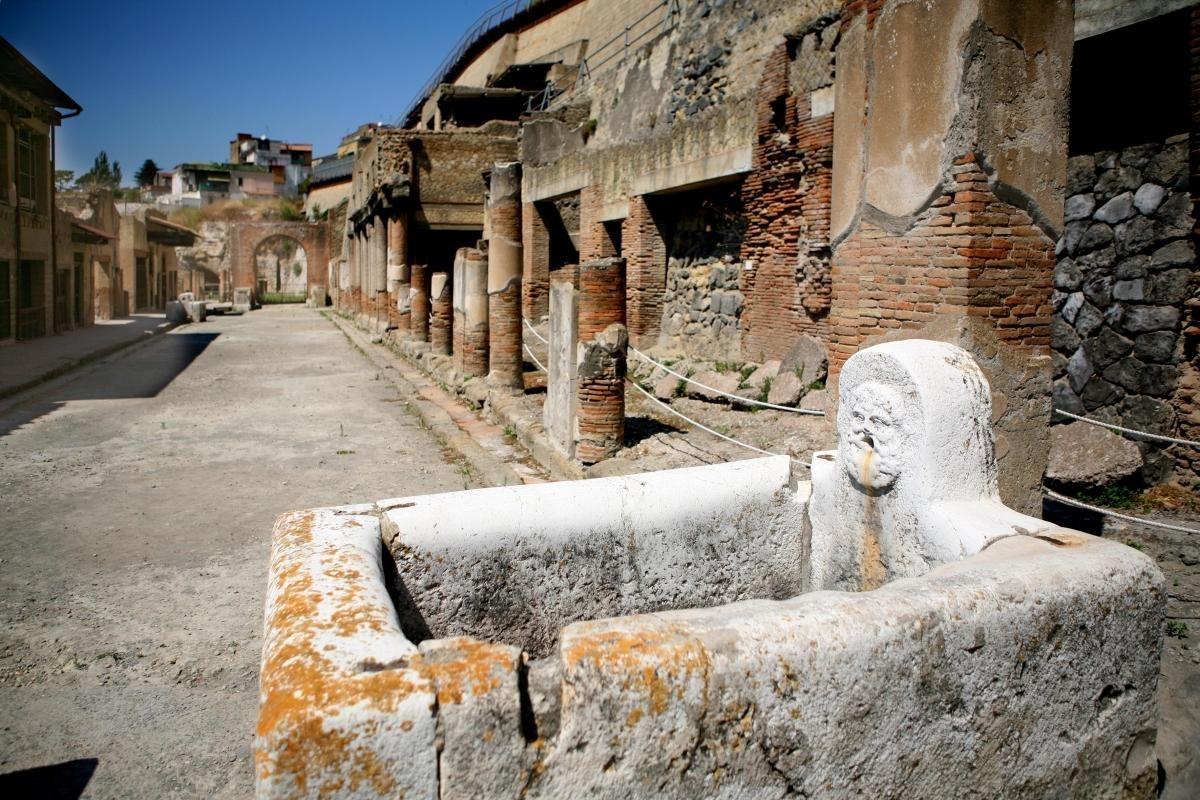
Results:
1071 501
533 330
707 429
1130 431
744 400
533 358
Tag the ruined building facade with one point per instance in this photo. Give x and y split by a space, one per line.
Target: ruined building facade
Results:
848 171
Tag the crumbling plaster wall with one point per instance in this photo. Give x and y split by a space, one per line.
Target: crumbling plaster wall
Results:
997 88
679 111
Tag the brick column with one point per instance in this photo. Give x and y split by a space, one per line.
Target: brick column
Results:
356 281
504 275
470 313
594 239
600 366
441 313
944 224
399 275
535 277
645 254
419 308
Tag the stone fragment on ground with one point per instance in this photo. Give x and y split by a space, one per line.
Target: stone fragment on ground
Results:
816 400
786 389
725 382
808 358
666 387
768 369
1088 456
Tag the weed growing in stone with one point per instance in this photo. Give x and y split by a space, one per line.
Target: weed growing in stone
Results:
1177 629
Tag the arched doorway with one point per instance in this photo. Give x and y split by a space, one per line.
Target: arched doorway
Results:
281 270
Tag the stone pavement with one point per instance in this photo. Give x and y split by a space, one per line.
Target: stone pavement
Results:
27 363
138 500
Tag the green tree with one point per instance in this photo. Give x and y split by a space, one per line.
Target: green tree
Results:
63 178
102 175
146 172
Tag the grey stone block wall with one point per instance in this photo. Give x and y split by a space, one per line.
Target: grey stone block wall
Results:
702 307
1126 268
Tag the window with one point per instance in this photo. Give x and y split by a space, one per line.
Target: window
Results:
239 181
30 172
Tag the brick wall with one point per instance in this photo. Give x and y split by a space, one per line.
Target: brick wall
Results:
787 203
535 277
601 295
969 254
594 238
644 248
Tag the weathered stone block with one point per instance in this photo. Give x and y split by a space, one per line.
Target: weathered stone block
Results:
1088 456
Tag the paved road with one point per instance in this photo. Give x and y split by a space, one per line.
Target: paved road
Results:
136 503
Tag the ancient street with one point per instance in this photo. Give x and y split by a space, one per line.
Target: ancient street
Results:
138 498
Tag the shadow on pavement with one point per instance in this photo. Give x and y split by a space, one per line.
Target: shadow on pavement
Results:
65 781
143 373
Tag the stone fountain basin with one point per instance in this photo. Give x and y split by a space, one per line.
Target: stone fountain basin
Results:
516 642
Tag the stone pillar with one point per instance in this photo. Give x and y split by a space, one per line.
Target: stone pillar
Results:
559 410
600 362
419 308
535 276
470 313
356 256
379 285
645 254
399 275
504 276
944 222
441 313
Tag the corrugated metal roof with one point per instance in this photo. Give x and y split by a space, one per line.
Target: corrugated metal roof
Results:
332 169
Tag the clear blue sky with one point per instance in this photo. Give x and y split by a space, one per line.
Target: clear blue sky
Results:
174 80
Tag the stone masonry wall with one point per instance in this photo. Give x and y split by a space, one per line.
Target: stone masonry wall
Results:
701 307
1126 269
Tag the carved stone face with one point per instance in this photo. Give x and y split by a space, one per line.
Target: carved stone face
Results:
872 437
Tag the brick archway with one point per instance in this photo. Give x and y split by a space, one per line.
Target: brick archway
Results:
245 238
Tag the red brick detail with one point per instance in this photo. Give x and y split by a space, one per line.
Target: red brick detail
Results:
969 254
419 315
594 238
506 360
471 341
601 296
441 317
535 274
245 238
645 251
787 202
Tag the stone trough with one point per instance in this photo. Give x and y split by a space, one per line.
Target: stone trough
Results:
888 628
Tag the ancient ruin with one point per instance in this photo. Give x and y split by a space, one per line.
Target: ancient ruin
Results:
666 634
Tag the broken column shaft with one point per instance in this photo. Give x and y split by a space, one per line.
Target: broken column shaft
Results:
419 305
398 271
504 275
441 313
470 313
601 359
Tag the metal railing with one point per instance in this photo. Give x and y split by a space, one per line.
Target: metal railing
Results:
487 21
611 53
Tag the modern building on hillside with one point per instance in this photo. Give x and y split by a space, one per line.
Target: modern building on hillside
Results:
329 184
289 163
36 278
202 184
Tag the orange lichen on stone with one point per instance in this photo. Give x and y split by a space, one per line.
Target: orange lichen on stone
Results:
464 666
301 688
656 664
